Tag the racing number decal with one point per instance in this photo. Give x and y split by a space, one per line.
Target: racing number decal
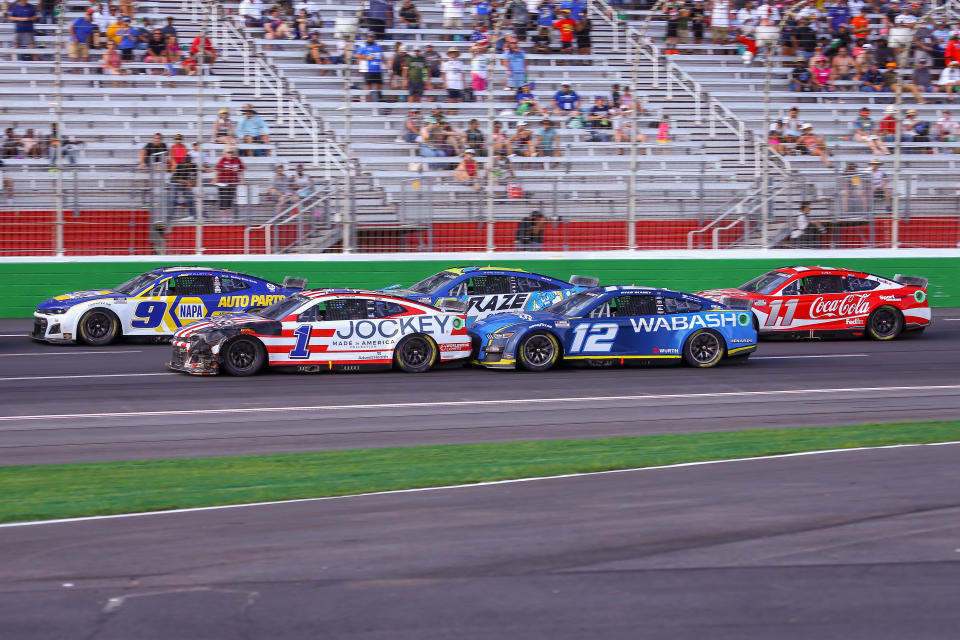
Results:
301 350
148 315
594 337
774 316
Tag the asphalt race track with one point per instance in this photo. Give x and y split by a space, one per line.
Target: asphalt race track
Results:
855 544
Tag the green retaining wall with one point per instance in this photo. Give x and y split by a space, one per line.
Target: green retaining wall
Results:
24 284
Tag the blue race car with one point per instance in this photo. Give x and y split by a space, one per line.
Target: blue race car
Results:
155 303
603 326
487 290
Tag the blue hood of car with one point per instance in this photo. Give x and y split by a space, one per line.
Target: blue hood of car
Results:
499 321
67 300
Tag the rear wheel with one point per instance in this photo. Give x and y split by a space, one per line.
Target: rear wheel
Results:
98 327
538 351
704 348
243 357
885 323
415 354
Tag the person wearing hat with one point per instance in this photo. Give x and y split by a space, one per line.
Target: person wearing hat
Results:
567 27
888 124
949 81
126 38
865 131
878 181
522 140
467 170
812 144
951 51
452 70
224 131
177 152
527 102
598 120
252 129
412 126
566 101
801 78
370 54
415 74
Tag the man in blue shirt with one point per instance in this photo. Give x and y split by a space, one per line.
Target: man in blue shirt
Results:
251 129
379 16
23 15
370 54
515 63
566 101
483 12
81 31
575 7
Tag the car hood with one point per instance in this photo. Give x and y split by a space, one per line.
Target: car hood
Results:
221 322
497 321
416 296
65 300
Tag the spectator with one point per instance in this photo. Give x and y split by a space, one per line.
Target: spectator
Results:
812 144
412 126
415 74
804 40
529 234
697 20
126 39
126 8
623 125
23 14
169 29
302 183
31 145
598 120
177 152
501 142
663 130
567 27
791 126
482 9
317 51
582 31
566 101
7 184
909 125
301 25
252 129
251 11
950 80
370 54
173 53
282 188
806 232
182 183
81 35
154 153
47 10
546 137
101 21
866 132
454 140
467 171
887 128
801 78
884 54
409 15
480 61
432 141
11 146
853 196
202 48
947 129
576 8
922 79
843 67
820 69
545 19
864 58
452 15
672 12
230 171
893 82
720 21
872 80
379 16
452 69
516 11
434 62
878 182
522 140
397 63
527 103
515 62
475 139
501 167
199 158
111 63
951 52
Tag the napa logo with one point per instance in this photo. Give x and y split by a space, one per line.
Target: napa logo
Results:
191 311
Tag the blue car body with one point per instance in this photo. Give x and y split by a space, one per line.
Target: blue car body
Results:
488 290
616 325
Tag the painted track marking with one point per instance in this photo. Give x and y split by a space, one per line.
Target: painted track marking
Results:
93 375
829 355
68 353
701 463
463 403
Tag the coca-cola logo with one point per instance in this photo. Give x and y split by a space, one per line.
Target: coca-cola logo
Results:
850 305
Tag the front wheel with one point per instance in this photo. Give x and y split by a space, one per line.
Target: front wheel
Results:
538 351
885 323
704 348
415 354
98 327
243 357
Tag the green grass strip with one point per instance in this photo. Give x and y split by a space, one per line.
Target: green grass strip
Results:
65 490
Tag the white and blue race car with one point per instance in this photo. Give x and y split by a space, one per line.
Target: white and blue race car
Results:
606 326
155 303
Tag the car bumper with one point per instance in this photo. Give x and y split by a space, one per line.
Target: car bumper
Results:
195 363
496 360
49 328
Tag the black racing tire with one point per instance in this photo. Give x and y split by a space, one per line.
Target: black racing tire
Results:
98 327
416 353
703 348
538 351
885 323
243 357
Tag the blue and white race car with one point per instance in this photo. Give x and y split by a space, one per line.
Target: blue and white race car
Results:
604 326
487 290
155 303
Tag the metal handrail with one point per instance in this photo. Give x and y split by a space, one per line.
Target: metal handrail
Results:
288 215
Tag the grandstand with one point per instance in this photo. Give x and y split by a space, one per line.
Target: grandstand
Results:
373 191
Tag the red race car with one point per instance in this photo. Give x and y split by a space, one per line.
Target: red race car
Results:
807 302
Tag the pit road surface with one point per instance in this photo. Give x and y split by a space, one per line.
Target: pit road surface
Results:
165 414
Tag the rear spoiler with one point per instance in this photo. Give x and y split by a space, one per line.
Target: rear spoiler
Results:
452 304
736 303
584 281
292 282
911 281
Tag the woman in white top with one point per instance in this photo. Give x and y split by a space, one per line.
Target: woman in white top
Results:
452 71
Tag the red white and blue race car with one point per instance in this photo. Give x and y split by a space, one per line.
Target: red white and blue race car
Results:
808 302
325 329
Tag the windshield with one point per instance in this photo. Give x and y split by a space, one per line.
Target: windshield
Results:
434 282
766 283
280 310
133 285
574 305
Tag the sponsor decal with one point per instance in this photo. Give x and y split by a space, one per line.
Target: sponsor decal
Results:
759 303
562 324
853 321
456 346
919 295
249 301
742 340
679 323
457 323
271 286
891 298
190 311
539 325
850 305
524 316
663 350
501 302
743 319
392 327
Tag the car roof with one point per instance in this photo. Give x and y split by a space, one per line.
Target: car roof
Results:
473 269
197 268
794 270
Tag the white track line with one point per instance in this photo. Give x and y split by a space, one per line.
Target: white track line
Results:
831 355
67 353
14 335
465 486
93 375
950 319
462 403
